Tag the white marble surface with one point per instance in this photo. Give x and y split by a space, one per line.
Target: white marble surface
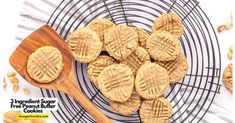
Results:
218 12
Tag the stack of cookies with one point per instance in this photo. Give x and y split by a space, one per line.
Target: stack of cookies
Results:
138 67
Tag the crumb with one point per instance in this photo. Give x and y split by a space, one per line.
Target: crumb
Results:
15 87
13 79
11 73
26 91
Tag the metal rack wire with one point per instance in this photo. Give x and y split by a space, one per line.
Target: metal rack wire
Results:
190 98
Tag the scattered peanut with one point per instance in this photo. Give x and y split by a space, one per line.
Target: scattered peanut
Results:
26 91
228 25
11 73
15 87
4 84
13 79
221 28
230 53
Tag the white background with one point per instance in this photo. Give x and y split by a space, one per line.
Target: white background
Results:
218 12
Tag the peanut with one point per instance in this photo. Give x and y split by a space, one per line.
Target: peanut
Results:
15 87
13 79
11 73
26 91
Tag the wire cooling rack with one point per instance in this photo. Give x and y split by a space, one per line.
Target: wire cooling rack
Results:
190 98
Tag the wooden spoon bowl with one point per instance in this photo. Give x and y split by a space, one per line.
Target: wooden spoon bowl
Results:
66 82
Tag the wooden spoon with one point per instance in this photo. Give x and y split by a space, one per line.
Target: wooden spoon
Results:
46 36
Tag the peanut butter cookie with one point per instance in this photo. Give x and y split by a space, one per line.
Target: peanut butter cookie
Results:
151 81
85 45
116 82
169 22
156 111
11 116
45 64
120 41
163 46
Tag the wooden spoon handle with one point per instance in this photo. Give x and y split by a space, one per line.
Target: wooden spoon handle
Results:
70 87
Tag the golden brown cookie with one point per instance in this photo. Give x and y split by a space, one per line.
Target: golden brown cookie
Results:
176 68
120 41
85 45
169 22
228 77
100 26
129 107
116 82
136 59
151 81
142 36
45 64
163 46
95 67
11 116
156 111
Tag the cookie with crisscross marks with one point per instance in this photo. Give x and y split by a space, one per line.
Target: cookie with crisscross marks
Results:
94 68
128 107
169 22
176 68
163 46
100 26
45 64
116 82
120 41
136 59
151 81
156 111
85 45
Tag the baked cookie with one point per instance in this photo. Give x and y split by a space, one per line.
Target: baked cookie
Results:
228 77
136 59
120 41
176 68
169 22
94 68
116 82
11 116
142 36
163 46
151 81
100 26
156 111
85 45
45 64
129 107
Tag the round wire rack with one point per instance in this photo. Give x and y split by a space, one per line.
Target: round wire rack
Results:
190 98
